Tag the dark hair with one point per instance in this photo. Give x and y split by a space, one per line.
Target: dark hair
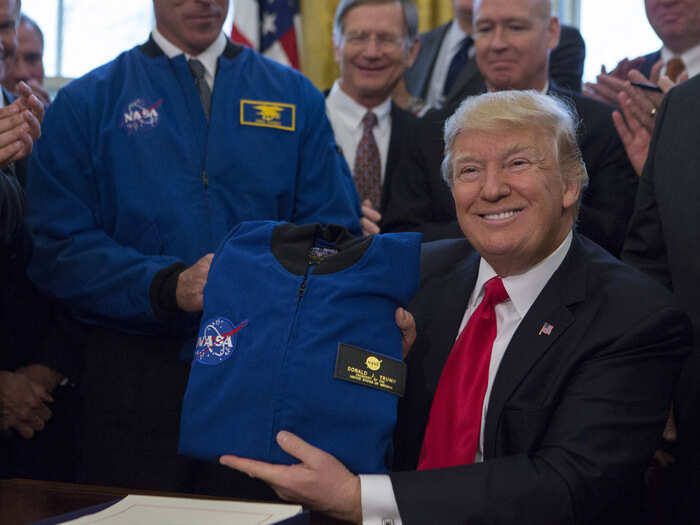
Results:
24 19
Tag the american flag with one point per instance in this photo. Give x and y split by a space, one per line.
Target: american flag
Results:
546 329
269 26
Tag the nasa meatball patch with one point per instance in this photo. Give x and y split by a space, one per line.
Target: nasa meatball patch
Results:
217 340
139 115
370 369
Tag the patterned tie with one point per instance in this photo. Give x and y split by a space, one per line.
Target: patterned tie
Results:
674 68
197 70
457 64
367 163
452 434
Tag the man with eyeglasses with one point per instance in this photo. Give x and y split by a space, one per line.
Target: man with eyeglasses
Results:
375 41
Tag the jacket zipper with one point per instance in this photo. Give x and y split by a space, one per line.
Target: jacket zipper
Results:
300 296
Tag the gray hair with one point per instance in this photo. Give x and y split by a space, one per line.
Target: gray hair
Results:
544 8
504 110
410 17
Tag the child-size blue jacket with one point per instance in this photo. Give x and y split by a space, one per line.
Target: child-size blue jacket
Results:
269 338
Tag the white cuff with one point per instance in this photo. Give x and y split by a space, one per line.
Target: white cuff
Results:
378 501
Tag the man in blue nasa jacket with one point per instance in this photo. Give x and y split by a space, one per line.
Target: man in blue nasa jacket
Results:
146 163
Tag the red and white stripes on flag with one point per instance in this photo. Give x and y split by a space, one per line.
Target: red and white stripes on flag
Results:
270 27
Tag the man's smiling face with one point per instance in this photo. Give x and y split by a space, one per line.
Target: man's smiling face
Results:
511 200
373 52
512 40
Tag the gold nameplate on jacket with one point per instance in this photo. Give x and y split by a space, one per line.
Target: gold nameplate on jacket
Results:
365 368
276 115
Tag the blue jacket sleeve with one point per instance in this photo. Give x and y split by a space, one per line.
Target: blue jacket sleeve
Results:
325 190
75 257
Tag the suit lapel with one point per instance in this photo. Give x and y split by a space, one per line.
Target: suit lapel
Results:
455 291
469 82
423 68
565 288
396 141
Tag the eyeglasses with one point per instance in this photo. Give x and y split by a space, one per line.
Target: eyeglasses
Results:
384 41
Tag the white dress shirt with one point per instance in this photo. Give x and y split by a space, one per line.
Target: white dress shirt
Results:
208 57
346 117
448 49
522 290
691 59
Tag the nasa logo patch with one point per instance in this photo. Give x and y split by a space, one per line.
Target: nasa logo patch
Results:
139 114
216 341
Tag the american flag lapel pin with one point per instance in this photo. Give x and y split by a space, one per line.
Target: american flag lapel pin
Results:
546 329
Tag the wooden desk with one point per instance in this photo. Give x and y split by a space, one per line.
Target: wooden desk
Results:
24 501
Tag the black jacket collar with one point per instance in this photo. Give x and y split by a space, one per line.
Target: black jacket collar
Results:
151 49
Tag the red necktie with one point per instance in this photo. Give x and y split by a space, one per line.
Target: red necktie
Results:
452 433
367 163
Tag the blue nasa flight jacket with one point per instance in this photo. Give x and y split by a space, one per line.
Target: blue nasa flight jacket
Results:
129 177
267 352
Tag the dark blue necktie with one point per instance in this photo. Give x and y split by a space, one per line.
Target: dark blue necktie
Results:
457 63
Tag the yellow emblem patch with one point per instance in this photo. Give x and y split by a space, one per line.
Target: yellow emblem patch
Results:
278 115
373 363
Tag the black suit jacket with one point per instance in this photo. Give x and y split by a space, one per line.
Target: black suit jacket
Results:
404 132
23 309
565 65
573 417
423 202
664 242
649 61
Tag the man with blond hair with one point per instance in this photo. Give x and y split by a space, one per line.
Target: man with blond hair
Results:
513 41
542 367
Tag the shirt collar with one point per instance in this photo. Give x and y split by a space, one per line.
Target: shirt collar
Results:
523 289
454 36
208 57
352 111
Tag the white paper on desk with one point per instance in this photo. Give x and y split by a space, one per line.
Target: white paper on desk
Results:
154 510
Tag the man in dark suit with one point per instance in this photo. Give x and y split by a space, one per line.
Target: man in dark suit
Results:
677 24
29 374
573 380
510 59
24 392
22 395
427 78
375 40
664 241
